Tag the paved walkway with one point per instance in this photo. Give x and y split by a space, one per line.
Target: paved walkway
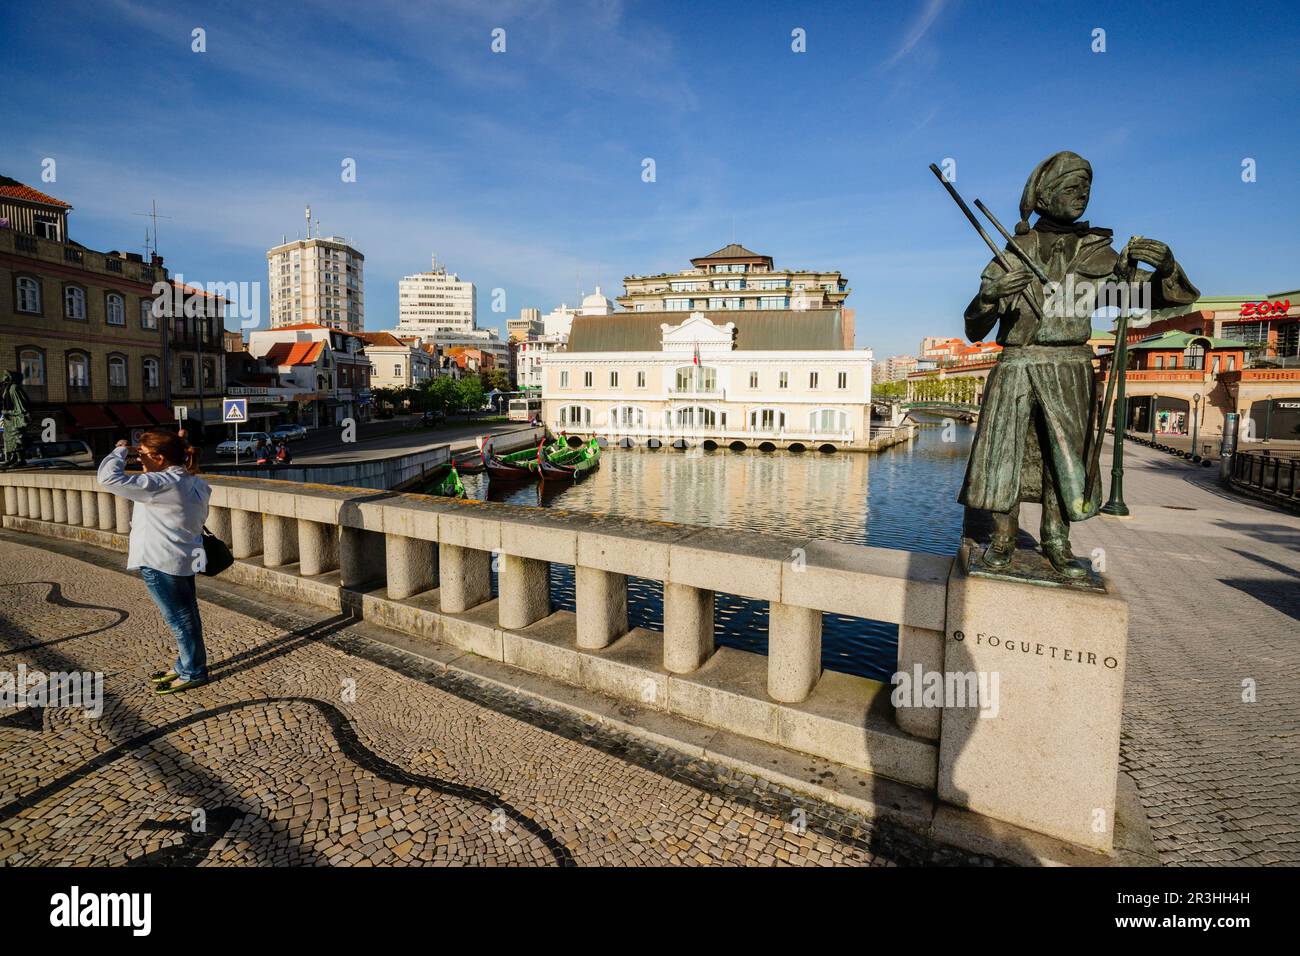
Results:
316 746
1213 582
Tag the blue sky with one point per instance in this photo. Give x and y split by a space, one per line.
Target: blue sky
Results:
522 170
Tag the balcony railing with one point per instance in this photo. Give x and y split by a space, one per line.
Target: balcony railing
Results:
424 566
78 393
715 393
26 243
72 254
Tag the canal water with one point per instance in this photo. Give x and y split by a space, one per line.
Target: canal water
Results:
903 497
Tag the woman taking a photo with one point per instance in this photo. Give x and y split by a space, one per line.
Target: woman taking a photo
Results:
171 504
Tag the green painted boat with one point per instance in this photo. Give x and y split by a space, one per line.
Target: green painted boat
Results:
450 485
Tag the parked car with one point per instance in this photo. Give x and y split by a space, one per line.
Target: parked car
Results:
76 453
432 419
247 443
290 433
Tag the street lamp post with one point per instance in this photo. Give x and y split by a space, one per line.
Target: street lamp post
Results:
1268 416
1154 400
1118 365
1196 421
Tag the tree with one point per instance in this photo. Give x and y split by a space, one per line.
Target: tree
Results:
889 391
469 392
441 394
495 380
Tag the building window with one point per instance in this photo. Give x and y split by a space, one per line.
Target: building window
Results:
697 378
209 374
1160 361
575 415
613 379
773 302
828 421
842 380
78 370
150 373
117 371
753 380
47 226
115 309
766 420
187 372
28 296
1232 362
1194 356
696 417
147 319
397 370
677 305
31 362
627 416
640 379
1216 365
564 379
812 379
783 380
74 302
587 379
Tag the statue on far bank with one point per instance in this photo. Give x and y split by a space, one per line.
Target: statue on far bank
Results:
14 405
1038 420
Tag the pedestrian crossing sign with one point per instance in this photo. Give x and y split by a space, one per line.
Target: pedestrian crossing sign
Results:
234 410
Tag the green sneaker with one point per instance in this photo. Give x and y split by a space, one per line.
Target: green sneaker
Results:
178 685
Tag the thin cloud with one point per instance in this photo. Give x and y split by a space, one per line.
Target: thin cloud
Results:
917 31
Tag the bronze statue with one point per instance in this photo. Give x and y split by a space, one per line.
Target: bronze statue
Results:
1037 422
15 407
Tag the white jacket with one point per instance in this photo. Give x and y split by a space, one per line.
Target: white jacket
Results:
167 520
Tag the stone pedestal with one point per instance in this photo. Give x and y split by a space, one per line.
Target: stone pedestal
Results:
1042 749
412 565
524 591
794 652
464 577
601 598
245 533
279 540
318 547
688 627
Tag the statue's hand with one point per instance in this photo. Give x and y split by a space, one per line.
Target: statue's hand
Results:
1005 286
1153 253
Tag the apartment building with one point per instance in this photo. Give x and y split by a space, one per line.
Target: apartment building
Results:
317 281
435 301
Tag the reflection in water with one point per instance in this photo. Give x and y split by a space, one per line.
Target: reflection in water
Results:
904 497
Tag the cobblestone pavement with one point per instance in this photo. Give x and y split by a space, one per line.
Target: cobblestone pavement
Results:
282 764
1213 582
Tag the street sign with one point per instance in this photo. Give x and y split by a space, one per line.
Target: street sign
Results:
180 412
234 410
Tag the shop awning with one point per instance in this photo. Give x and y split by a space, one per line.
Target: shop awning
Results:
132 416
160 413
90 416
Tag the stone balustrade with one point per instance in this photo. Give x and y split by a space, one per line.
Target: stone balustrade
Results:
424 565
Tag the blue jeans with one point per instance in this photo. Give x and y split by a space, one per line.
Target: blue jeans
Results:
176 598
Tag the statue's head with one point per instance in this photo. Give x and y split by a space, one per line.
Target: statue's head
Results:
1058 188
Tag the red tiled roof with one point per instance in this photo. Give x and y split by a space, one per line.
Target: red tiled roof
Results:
294 353
302 325
13 189
379 338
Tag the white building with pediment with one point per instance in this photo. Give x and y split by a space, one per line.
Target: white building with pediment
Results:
752 378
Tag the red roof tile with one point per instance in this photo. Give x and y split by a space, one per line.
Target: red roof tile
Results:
13 189
294 353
